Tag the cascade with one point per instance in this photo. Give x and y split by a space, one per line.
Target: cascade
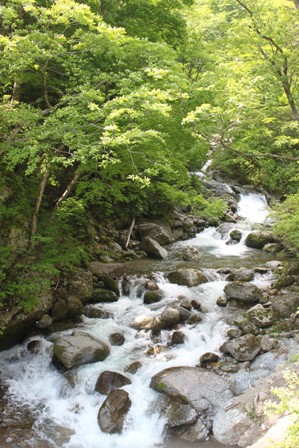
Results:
65 413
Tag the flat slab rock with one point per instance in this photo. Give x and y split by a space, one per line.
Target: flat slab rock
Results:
79 348
200 388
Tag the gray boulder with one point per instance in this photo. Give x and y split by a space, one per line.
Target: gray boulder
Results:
230 425
160 232
171 316
153 248
258 240
112 413
243 292
203 390
244 348
241 275
260 316
109 381
79 348
286 305
187 277
190 253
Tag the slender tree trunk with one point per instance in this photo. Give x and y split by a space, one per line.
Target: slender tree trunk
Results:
130 232
296 2
65 194
15 92
41 190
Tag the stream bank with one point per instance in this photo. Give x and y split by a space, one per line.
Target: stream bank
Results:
64 406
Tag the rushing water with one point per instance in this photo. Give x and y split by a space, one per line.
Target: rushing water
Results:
65 415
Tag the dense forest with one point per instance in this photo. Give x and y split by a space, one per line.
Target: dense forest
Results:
108 107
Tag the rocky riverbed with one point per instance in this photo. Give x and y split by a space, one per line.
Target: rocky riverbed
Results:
187 344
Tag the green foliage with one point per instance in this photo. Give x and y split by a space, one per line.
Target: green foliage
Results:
287 222
288 403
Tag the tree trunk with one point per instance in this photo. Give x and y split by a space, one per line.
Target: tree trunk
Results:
65 194
15 92
296 2
41 190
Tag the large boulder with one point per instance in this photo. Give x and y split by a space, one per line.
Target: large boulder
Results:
286 304
243 292
160 232
241 275
153 248
112 413
103 295
109 381
187 277
203 390
230 425
260 316
258 240
80 284
17 323
79 348
244 348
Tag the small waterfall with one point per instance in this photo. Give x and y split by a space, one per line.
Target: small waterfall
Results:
253 207
66 411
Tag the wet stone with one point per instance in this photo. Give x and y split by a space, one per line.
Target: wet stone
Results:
178 337
208 358
117 339
112 413
134 367
109 381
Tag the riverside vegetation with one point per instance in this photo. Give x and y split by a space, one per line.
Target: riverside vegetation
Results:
107 107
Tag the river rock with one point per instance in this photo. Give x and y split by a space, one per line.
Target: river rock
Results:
219 189
286 305
107 282
112 413
109 381
208 358
103 295
258 240
59 311
241 275
242 292
44 322
152 297
80 284
199 388
171 316
197 432
235 235
177 413
79 348
153 248
184 313
187 277
268 343
160 232
74 307
222 301
244 348
230 425
272 248
190 253
260 316
117 339
245 325
177 337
